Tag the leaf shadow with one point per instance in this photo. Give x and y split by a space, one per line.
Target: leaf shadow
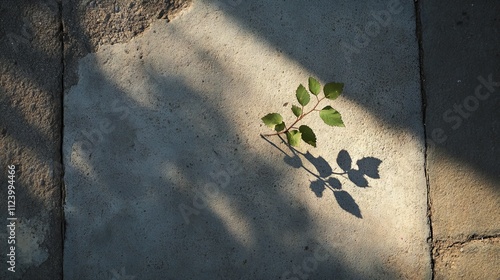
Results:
326 177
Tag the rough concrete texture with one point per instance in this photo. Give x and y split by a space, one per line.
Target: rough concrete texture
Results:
462 75
30 138
168 178
89 24
457 260
462 112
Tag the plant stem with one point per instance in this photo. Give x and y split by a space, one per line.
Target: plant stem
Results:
297 120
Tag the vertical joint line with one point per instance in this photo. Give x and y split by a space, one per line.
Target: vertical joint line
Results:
61 150
418 30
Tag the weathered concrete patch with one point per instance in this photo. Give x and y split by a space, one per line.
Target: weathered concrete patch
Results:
167 176
30 138
475 259
89 24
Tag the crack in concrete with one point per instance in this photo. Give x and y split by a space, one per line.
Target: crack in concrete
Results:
61 112
418 33
445 244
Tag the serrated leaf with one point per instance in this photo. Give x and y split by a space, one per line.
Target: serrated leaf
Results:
297 111
302 95
293 137
273 119
331 116
344 160
308 135
369 166
280 127
333 90
314 86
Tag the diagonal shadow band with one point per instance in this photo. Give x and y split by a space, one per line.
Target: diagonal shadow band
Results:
326 177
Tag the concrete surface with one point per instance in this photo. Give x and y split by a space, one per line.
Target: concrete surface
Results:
472 259
460 41
89 24
167 177
30 138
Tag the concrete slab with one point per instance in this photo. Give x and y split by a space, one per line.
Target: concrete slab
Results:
462 74
30 140
168 178
462 117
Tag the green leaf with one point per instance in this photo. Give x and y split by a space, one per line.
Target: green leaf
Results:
297 111
308 135
314 86
273 119
293 137
333 90
331 116
280 127
302 95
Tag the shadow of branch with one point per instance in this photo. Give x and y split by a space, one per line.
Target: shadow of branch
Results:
326 177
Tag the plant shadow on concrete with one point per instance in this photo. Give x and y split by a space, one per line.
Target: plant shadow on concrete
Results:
146 203
326 177
330 19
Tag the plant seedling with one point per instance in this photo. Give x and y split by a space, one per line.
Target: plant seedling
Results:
329 115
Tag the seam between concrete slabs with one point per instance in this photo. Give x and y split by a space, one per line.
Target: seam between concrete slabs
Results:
444 244
61 143
418 34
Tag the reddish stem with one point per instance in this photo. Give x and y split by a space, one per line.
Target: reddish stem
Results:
297 120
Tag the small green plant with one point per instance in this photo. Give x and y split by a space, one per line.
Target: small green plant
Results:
329 115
